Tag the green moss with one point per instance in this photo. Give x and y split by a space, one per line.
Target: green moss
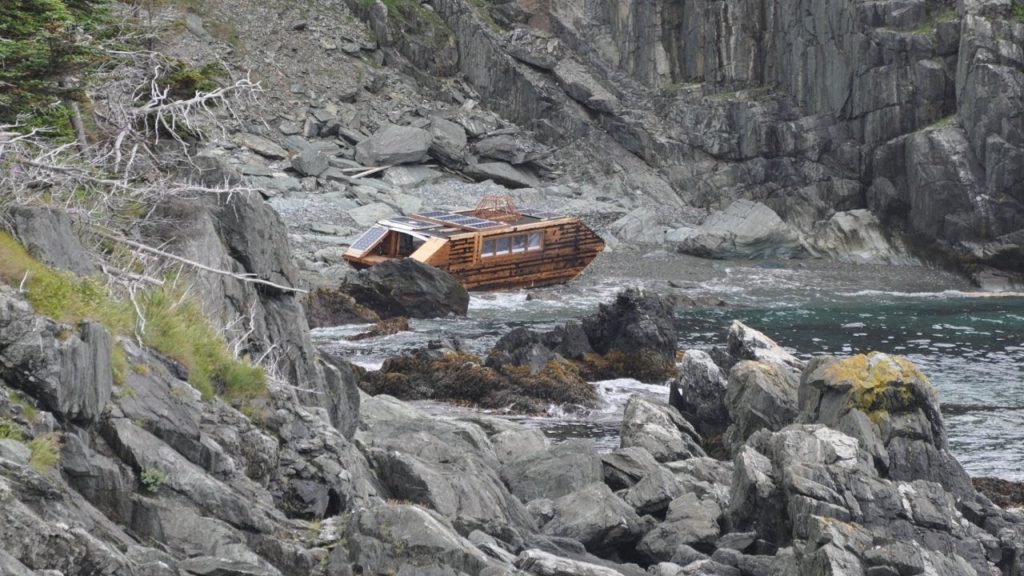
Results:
1017 11
28 410
879 384
184 81
483 9
945 122
45 451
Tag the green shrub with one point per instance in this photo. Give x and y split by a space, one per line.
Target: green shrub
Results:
152 479
1018 11
27 408
45 452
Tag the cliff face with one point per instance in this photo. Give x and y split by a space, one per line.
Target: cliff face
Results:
911 109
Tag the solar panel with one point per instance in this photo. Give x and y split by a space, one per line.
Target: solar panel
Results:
369 239
433 214
410 223
483 225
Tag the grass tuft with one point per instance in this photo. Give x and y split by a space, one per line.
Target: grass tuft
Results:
9 431
45 452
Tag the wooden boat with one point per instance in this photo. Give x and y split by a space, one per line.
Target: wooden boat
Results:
492 247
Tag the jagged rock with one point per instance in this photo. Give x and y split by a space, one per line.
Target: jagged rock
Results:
644 225
759 395
660 429
68 369
627 466
744 230
387 538
635 334
448 144
652 494
261 146
745 343
310 163
513 445
208 566
698 393
559 470
690 521
502 173
523 347
15 451
405 287
48 236
596 517
394 145
584 88
705 477
856 236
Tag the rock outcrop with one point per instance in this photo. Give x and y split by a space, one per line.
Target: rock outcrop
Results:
405 287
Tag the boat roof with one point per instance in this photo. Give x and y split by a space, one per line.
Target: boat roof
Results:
444 224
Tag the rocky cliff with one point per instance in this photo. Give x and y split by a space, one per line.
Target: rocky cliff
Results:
909 110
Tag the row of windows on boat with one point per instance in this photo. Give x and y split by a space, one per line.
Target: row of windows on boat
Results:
513 244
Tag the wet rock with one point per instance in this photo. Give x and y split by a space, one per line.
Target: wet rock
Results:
332 307
660 429
698 393
48 236
635 336
596 517
394 145
522 347
404 287
759 395
556 472
384 328
744 230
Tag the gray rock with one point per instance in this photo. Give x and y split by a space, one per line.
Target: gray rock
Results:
759 395
309 163
543 563
48 236
15 451
407 176
448 144
652 494
405 287
67 369
660 429
698 393
261 145
394 145
640 327
745 343
857 236
584 88
503 173
689 521
746 230
596 517
627 466
208 566
560 470
513 445
368 215
387 538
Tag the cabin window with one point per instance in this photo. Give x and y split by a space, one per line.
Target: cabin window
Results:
512 244
534 241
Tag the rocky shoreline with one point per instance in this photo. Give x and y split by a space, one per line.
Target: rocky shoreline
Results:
836 466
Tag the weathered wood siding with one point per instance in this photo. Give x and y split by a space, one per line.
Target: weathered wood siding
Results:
568 248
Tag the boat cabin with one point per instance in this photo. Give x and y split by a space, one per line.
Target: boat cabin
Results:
491 247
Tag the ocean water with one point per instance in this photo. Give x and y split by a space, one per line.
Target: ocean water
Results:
970 345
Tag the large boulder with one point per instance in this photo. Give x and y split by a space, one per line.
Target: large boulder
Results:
555 472
596 517
48 236
746 343
698 393
690 521
327 307
405 287
744 230
759 395
635 335
525 348
660 429
394 145
890 407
